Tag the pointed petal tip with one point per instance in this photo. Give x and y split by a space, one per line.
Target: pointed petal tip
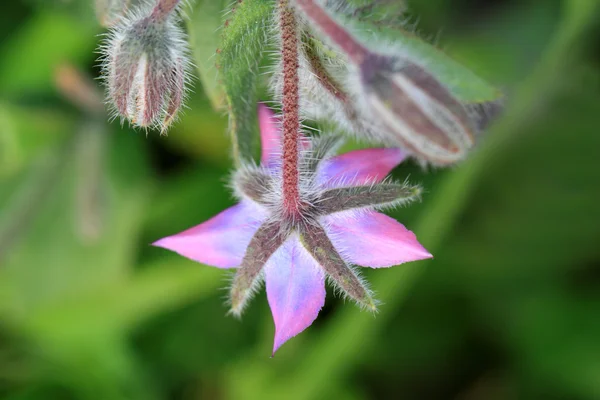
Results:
163 242
281 338
276 345
375 240
295 287
283 335
420 252
221 241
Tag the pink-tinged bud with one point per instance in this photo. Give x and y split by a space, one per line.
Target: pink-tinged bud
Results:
415 110
146 64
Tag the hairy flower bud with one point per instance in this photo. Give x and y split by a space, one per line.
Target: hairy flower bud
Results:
146 65
387 97
416 111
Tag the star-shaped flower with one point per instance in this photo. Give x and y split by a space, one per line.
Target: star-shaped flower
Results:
336 227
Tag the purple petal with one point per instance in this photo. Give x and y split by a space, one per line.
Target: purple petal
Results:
221 241
360 167
372 239
270 134
295 290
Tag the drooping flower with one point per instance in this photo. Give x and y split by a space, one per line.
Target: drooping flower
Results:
335 228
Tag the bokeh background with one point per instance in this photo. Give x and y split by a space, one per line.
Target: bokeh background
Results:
508 309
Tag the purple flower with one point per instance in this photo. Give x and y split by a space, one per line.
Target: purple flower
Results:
337 227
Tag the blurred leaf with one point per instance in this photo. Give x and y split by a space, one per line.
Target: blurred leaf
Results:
54 259
242 49
202 134
125 304
75 298
54 265
534 208
463 83
531 222
176 204
29 59
205 25
26 133
508 44
554 340
22 196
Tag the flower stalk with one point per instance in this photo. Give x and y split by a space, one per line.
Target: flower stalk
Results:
291 106
164 8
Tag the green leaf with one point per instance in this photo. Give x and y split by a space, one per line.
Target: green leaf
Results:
544 203
26 133
204 26
123 305
54 246
30 59
54 266
242 49
539 228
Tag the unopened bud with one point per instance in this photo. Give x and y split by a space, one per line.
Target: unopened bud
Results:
146 66
415 110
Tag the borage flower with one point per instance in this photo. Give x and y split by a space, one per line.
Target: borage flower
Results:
336 227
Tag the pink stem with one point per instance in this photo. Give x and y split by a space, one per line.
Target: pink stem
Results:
163 8
291 118
337 34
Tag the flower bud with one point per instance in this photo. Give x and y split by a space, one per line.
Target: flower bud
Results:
146 64
415 110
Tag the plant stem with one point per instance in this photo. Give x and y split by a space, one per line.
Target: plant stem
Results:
291 118
355 51
163 8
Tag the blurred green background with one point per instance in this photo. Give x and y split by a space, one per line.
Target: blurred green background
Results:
508 309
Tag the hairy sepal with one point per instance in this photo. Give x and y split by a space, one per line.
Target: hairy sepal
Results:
265 242
416 111
376 196
314 238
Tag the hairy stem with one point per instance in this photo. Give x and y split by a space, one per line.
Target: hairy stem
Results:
291 118
321 73
335 32
163 8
